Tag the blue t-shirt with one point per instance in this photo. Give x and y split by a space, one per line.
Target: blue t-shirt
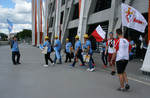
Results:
88 43
104 44
48 45
68 45
78 44
15 47
58 43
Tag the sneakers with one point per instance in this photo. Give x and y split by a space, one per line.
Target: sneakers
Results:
93 64
53 64
104 66
127 87
71 66
18 63
45 65
81 64
91 70
121 89
88 69
113 73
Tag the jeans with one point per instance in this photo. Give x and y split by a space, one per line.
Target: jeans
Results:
56 57
14 54
79 56
47 57
90 62
104 58
92 58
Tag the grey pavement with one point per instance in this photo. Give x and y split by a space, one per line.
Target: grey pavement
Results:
32 80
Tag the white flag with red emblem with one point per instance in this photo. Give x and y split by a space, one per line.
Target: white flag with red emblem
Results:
133 19
99 34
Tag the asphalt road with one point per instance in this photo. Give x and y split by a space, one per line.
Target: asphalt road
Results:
32 80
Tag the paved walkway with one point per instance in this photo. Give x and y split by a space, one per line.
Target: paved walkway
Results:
32 80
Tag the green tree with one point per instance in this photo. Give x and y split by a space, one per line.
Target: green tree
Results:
3 37
25 34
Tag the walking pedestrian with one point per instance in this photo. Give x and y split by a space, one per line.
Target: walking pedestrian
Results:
78 52
67 50
89 52
144 46
104 57
57 48
110 48
122 50
47 56
15 51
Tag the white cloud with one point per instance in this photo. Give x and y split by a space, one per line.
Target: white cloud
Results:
20 15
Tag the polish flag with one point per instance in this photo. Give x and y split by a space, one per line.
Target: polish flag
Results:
99 34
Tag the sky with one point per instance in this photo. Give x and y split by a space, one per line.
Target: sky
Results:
18 11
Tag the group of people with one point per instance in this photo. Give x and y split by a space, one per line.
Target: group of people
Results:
117 51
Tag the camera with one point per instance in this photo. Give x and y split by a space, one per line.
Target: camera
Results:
111 45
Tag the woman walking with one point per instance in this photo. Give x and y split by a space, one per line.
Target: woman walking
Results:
47 56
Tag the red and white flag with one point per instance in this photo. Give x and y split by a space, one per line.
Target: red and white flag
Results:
99 34
133 19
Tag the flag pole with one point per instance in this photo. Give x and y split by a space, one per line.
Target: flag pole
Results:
149 23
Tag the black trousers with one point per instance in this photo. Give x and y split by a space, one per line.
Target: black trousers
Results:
79 55
14 54
47 57
68 56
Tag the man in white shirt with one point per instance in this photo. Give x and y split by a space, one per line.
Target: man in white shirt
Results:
122 50
110 44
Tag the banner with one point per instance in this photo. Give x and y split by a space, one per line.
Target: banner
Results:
10 25
133 19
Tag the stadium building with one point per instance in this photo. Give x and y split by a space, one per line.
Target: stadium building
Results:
68 18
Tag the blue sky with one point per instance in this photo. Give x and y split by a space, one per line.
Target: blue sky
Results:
18 11
7 3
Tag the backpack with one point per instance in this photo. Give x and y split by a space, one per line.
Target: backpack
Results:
11 44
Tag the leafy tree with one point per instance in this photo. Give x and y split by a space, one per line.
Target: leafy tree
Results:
25 34
3 37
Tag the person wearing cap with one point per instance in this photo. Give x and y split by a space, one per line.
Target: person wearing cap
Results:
67 50
15 51
47 56
78 52
89 52
110 44
57 48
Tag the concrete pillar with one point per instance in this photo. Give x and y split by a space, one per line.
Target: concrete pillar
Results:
82 28
33 22
58 13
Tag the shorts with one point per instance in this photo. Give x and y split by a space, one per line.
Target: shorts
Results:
121 66
110 57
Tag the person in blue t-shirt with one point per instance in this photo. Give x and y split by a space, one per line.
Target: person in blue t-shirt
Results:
104 57
67 50
47 56
78 51
57 48
15 51
89 52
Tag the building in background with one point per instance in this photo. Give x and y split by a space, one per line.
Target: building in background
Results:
67 18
